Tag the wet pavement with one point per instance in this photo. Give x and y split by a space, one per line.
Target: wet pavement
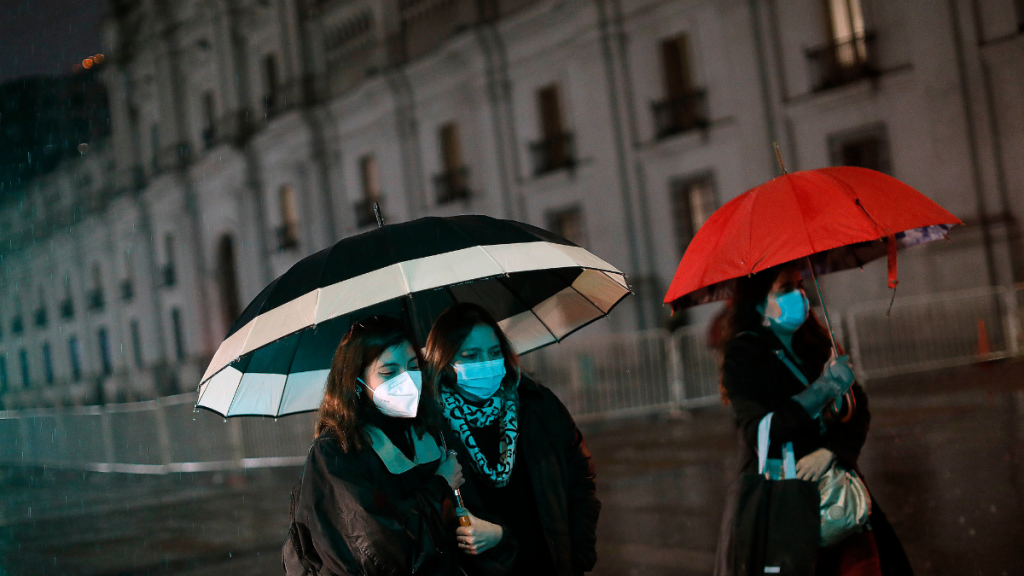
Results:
945 459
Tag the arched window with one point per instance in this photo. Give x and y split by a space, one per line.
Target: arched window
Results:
288 232
227 279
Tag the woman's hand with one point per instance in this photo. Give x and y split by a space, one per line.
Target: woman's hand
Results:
451 470
478 538
812 466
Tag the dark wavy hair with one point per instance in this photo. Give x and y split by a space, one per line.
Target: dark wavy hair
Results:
811 342
345 410
450 330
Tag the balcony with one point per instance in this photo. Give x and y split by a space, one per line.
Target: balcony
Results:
95 300
452 185
842 62
287 237
39 317
288 97
364 213
553 153
17 325
67 309
167 275
171 158
127 290
682 114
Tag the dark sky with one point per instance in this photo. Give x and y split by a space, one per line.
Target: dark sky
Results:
47 37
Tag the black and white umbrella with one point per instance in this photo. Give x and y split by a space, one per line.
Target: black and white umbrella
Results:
539 286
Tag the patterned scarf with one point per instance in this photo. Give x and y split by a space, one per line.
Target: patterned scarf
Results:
461 415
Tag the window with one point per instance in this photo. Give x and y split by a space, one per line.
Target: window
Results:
136 343
866 147
554 150
693 201
846 19
209 120
227 279
568 224
75 355
848 54
106 361
96 300
23 360
369 178
682 108
167 272
450 184
3 374
179 334
154 147
270 83
47 363
1019 5
40 315
288 233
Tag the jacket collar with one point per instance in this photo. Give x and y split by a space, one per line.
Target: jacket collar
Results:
424 445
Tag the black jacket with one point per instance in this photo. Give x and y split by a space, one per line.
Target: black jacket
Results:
758 382
561 473
352 516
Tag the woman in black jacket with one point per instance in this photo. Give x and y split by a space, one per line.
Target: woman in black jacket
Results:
526 461
765 334
375 491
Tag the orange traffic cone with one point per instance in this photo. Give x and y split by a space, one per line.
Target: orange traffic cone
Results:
984 349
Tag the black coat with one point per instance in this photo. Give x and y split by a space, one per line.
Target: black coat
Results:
758 382
561 473
353 516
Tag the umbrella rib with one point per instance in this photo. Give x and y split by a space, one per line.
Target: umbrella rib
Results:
529 309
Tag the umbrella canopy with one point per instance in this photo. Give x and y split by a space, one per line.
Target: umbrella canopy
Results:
539 286
841 217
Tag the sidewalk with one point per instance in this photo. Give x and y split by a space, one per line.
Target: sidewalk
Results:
944 459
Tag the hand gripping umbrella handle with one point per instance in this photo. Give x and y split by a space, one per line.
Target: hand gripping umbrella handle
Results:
460 508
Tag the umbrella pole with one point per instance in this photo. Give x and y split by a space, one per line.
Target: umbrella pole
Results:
824 309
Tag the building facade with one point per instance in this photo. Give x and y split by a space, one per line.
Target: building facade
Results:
247 134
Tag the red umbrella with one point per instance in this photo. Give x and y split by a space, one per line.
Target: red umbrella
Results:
839 218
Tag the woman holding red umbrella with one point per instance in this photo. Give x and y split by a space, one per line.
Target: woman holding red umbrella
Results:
768 338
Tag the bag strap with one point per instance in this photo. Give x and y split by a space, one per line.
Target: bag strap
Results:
792 367
788 455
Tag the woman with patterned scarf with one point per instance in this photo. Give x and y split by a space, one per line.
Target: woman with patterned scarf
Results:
526 462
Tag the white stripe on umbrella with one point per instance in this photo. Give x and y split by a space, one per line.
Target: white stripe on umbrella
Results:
394 281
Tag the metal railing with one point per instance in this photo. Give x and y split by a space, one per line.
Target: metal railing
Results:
596 377
452 185
680 114
842 62
553 153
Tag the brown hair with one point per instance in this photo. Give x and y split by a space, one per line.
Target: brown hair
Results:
811 342
346 409
450 330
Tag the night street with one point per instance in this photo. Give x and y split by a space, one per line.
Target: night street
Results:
944 460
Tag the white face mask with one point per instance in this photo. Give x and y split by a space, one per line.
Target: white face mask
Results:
480 380
399 396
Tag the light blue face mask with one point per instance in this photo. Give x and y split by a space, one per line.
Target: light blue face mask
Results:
794 309
480 380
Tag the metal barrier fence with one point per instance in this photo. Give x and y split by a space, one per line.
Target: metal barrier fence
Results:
597 377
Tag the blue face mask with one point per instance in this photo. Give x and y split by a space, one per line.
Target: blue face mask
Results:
480 380
794 309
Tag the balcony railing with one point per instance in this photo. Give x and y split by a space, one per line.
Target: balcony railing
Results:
171 158
553 153
67 309
364 212
287 237
167 275
95 300
842 62
682 114
127 290
452 185
40 317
